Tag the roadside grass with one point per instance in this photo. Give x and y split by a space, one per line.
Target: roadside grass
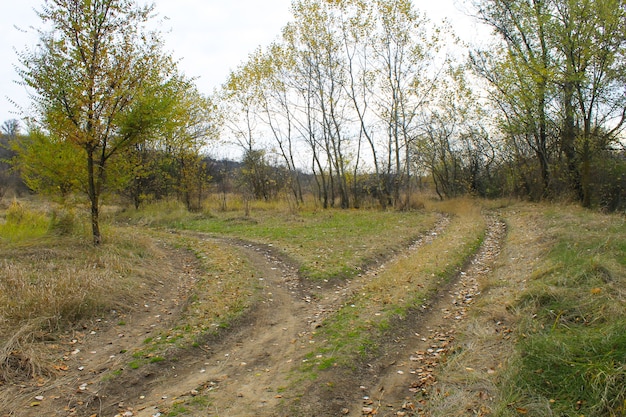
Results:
547 336
572 352
354 333
325 244
52 282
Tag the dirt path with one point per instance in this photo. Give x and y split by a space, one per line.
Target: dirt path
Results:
408 368
248 370
242 374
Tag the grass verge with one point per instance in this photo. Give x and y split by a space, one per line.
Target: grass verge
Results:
224 291
572 349
547 336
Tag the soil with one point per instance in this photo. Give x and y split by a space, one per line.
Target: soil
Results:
247 369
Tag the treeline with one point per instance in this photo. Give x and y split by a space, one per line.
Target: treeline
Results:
373 87
156 174
358 102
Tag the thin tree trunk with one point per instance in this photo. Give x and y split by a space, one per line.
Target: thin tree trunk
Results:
93 198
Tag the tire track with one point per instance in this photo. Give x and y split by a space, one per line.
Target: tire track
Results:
409 373
248 372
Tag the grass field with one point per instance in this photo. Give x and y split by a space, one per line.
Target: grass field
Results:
549 326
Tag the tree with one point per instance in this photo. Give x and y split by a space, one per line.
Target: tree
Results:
170 163
522 74
408 75
320 72
48 164
11 128
590 35
559 82
100 82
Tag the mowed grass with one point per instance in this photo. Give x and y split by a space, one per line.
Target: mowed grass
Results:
325 244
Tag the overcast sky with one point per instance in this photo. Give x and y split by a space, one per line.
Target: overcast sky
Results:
211 37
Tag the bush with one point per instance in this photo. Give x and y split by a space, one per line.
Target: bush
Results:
22 223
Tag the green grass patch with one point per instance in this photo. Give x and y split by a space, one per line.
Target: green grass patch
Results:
328 244
572 353
579 370
22 224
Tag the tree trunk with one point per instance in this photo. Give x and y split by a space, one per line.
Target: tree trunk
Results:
93 198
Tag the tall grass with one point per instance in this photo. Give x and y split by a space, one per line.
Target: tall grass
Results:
51 281
23 224
572 353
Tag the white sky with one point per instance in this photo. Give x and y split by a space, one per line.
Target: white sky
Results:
211 37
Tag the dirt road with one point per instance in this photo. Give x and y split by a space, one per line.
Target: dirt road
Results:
249 368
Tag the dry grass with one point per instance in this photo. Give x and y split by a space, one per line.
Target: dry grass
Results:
435 261
224 291
472 377
402 284
53 281
543 339
50 288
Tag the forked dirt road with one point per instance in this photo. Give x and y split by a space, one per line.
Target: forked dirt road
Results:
248 369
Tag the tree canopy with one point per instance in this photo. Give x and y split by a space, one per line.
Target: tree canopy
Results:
367 99
101 83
